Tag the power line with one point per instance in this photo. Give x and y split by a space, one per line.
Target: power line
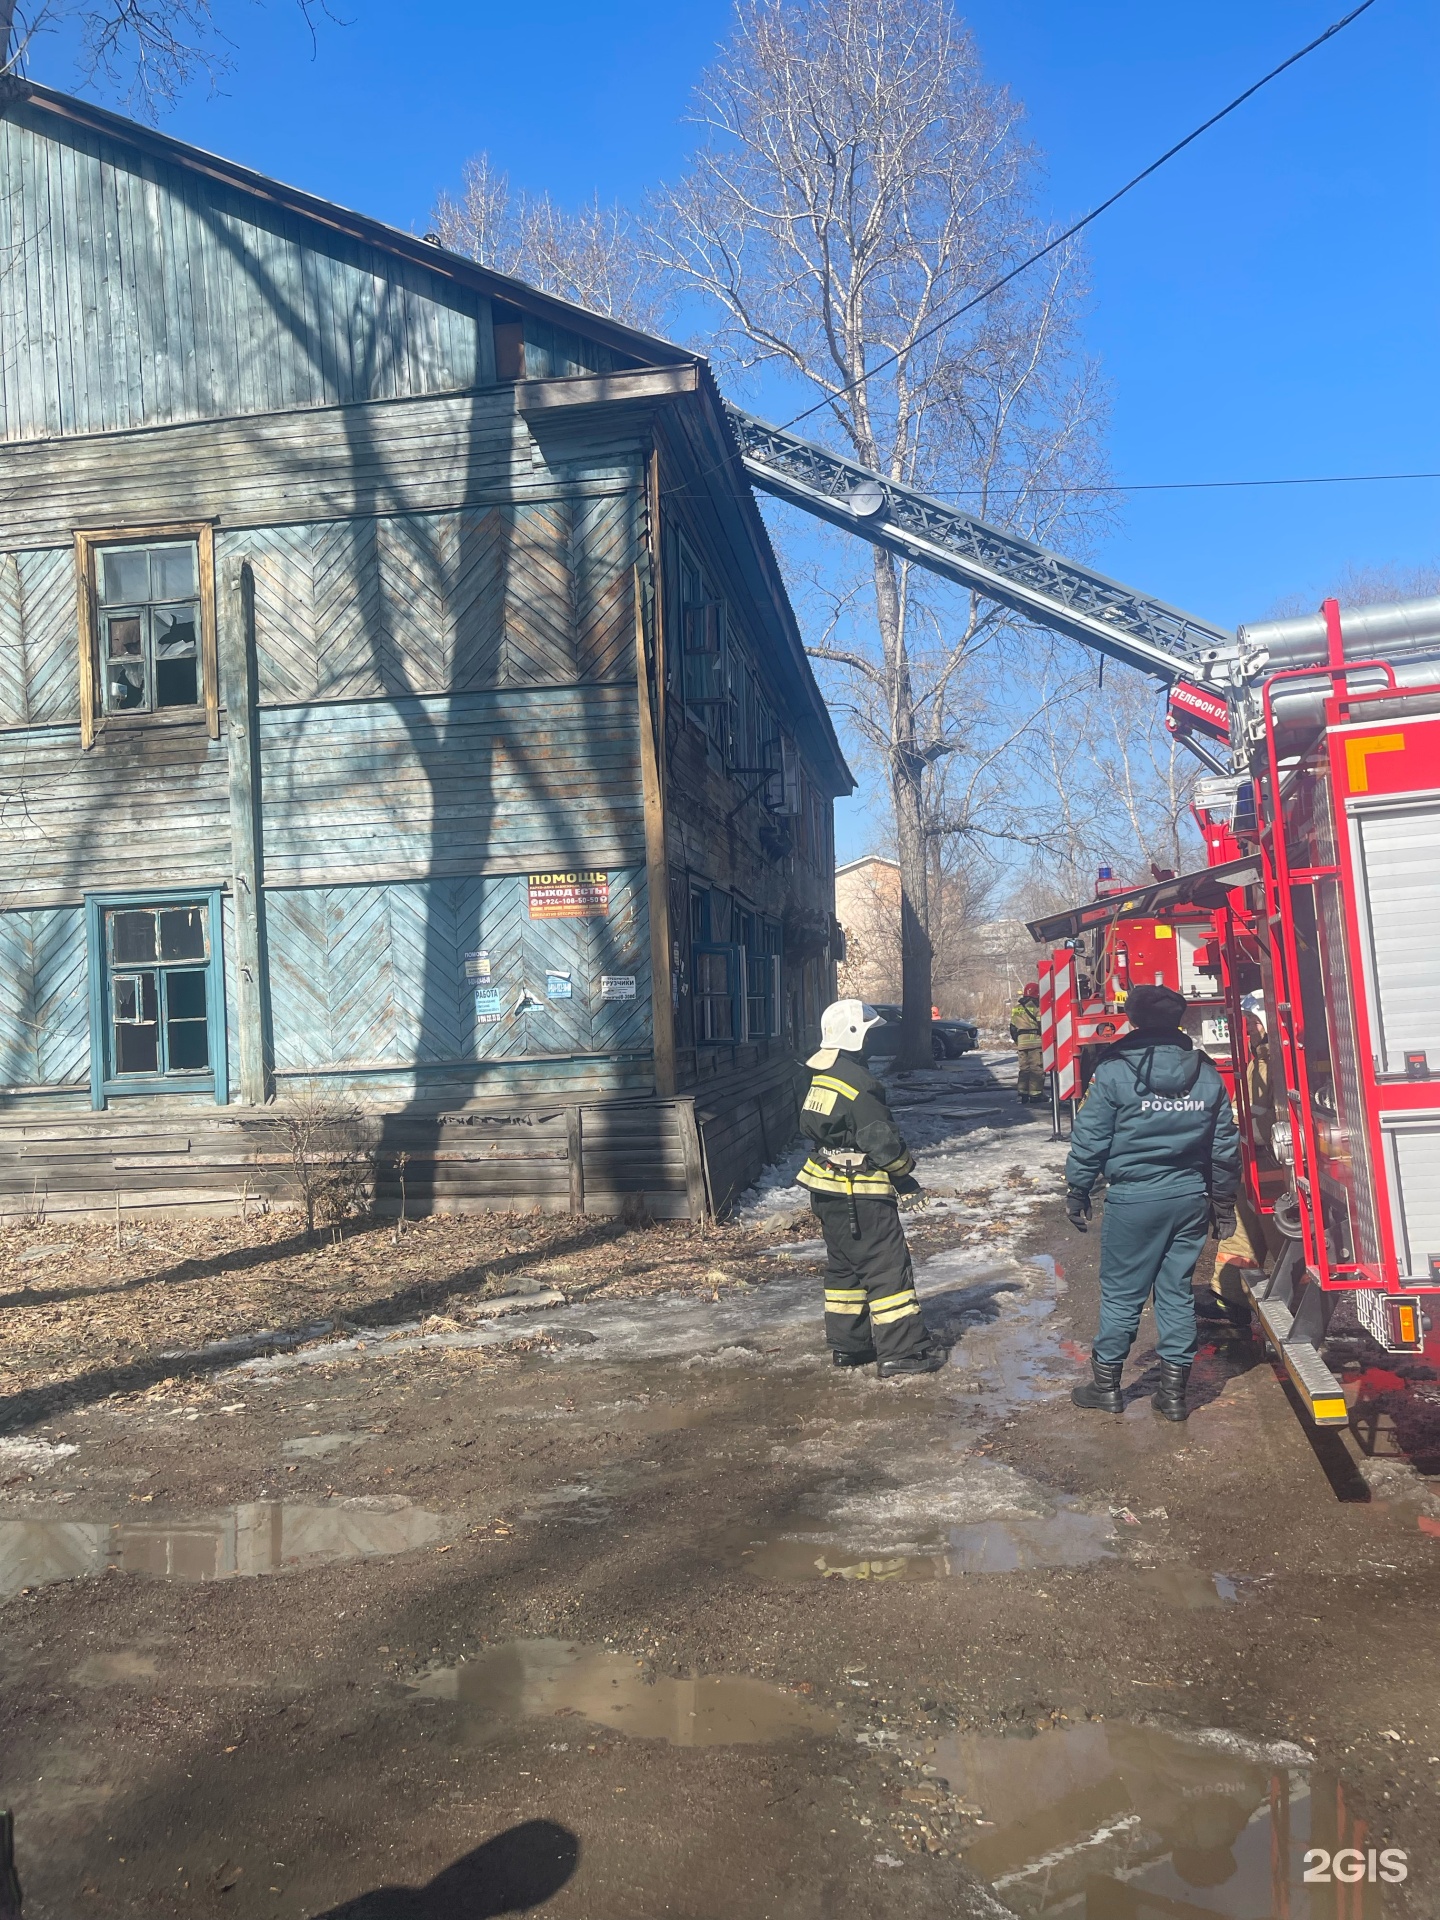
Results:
1094 214
1183 486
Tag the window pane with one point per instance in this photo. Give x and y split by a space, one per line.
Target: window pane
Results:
182 934
185 994
136 1028
124 688
712 973
175 632
125 664
127 992
188 1045
177 681
132 936
125 575
172 573
187 1037
137 1049
124 632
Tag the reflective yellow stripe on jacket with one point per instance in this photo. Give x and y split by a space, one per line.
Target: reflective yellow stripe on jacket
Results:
866 1186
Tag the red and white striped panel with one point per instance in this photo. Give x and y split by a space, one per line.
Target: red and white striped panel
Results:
1065 989
1047 1015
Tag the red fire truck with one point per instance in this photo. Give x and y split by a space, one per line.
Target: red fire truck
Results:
1321 893
1322 897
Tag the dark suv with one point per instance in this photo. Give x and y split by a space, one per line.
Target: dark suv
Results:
948 1038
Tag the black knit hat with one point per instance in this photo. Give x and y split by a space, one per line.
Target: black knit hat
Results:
1149 1008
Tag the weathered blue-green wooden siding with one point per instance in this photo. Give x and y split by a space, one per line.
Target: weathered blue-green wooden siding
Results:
419 603
44 999
444 629
151 808
374 976
469 784
430 455
134 292
39 671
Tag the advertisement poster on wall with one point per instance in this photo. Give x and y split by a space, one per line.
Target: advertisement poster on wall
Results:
580 895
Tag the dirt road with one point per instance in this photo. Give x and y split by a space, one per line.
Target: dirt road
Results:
620 1607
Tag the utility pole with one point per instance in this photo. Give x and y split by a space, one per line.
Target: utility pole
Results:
7 30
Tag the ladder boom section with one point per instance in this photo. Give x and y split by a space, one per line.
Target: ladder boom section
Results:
1047 588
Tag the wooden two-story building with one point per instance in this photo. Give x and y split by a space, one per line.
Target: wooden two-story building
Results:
398 696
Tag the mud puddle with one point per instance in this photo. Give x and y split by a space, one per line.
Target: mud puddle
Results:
557 1679
1120 1822
1192 1587
1066 1537
264 1536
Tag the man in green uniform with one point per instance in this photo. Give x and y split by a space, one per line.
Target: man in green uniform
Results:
1025 1032
857 1164
1156 1122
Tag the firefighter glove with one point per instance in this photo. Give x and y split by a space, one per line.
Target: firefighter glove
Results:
1222 1218
1077 1208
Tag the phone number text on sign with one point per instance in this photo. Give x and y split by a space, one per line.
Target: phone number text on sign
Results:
583 895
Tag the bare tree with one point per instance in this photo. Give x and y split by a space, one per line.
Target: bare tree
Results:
592 257
1115 787
1362 586
146 51
859 183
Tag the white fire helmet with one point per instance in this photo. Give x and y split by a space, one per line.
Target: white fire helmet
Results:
843 1027
1254 1003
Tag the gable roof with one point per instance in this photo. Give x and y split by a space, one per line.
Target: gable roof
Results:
642 349
441 344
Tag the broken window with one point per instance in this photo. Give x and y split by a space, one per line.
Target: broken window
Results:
703 651
719 1004
158 968
148 614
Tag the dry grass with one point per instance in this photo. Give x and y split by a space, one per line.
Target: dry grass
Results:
76 1306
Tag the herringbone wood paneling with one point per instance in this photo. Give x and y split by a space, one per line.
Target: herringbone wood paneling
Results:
44 999
283 561
377 973
349 611
477 599
603 558
415 556
52 635
539 596
12 645
299 977
426 603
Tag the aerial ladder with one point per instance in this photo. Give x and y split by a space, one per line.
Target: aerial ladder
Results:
1054 592
1321 821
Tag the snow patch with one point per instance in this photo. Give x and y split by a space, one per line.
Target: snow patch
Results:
37 1453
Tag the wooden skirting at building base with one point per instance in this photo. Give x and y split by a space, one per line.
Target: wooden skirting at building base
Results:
678 1159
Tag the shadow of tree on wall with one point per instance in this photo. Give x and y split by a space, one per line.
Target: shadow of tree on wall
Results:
432 594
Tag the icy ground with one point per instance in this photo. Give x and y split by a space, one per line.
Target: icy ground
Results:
980 1157
986 1164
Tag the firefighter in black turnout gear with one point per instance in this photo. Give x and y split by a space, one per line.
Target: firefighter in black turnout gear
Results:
857 1165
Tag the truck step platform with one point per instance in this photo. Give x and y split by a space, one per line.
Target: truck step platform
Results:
1322 1393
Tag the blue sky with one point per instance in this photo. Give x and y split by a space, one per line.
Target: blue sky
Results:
1264 307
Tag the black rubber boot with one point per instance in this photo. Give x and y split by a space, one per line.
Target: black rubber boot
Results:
1168 1398
853 1359
930 1362
1101 1392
